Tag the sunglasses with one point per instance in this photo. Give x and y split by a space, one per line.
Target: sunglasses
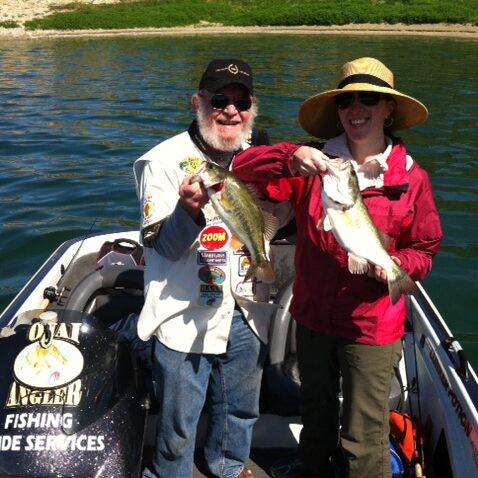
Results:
366 98
219 102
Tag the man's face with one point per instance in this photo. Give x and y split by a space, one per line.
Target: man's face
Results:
225 127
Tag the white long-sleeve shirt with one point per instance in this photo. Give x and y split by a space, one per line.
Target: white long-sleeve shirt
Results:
190 296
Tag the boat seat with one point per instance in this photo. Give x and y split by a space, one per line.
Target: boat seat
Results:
112 306
110 293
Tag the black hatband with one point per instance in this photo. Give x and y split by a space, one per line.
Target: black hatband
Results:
363 78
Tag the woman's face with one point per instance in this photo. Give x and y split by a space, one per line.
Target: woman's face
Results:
363 115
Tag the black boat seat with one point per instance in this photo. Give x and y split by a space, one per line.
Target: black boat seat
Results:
110 293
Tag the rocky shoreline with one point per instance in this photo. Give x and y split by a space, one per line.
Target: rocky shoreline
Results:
446 31
21 11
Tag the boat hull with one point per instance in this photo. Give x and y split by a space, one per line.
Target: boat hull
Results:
435 384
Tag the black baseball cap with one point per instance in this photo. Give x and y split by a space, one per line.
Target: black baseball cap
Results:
220 73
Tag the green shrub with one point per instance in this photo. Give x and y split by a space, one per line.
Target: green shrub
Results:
170 13
9 24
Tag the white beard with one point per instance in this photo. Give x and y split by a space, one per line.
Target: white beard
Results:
206 128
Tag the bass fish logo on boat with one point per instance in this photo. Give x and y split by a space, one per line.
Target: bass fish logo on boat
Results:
46 371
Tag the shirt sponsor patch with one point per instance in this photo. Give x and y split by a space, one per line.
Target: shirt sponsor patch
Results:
212 258
241 250
212 275
210 295
148 210
244 264
213 237
246 289
190 165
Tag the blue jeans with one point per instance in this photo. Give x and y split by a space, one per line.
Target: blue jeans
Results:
127 328
231 384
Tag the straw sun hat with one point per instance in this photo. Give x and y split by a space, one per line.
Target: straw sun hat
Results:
318 114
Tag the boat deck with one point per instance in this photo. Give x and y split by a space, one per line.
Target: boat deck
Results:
274 437
260 461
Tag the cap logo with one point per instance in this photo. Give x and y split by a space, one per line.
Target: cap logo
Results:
232 69
221 73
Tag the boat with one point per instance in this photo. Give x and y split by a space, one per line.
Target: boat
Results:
74 400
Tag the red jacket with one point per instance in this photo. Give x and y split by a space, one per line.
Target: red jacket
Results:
327 297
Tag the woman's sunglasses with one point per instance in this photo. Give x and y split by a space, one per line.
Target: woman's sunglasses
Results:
366 98
219 102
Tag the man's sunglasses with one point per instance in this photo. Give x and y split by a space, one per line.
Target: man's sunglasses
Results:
219 102
366 98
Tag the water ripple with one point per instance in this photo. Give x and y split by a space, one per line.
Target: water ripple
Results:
77 113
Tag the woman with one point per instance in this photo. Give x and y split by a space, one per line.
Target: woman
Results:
347 325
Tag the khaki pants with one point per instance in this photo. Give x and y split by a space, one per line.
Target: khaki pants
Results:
366 373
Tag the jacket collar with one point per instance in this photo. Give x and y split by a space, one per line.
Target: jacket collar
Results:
397 176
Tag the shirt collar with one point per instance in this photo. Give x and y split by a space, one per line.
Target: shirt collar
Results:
338 147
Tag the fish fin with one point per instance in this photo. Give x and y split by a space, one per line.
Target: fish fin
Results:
324 223
265 273
357 265
236 243
226 203
401 283
252 188
271 225
372 169
251 272
262 271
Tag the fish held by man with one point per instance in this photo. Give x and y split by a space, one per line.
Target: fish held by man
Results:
350 221
237 207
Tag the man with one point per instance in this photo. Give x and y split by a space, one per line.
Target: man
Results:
194 279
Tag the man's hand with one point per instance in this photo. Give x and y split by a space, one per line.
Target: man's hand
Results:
307 161
192 196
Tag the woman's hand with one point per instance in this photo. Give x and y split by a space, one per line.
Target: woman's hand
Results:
307 161
379 274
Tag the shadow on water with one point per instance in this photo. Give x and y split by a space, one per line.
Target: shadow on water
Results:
78 112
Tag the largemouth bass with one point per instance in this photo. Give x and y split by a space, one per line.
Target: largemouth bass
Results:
237 207
350 221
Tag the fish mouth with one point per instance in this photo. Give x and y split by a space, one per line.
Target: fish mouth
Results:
335 166
206 174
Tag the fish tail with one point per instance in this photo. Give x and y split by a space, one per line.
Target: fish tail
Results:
262 270
266 273
400 283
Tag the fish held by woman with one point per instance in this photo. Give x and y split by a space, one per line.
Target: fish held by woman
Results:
353 227
237 207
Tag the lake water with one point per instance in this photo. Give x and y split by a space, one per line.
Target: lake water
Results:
76 113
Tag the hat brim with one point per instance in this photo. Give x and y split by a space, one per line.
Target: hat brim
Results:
319 117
